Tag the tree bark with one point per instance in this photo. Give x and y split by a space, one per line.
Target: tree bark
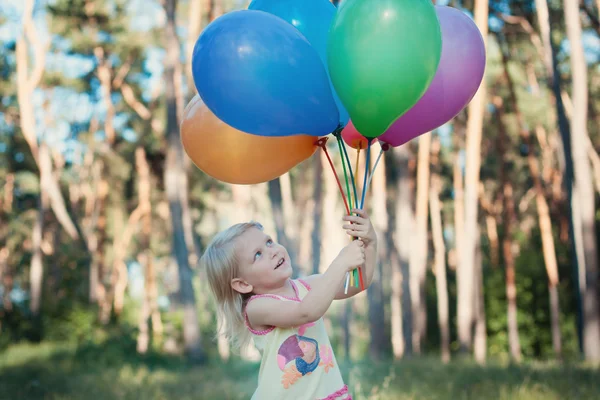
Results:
459 202
49 188
143 213
175 185
36 271
404 227
379 344
194 27
418 258
6 270
281 225
242 200
509 217
302 207
543 210
440 260
393 169
554 78
583 184
90 223
318 212
466 269
480 339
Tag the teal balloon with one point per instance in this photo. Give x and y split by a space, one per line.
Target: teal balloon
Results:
382 55
313 19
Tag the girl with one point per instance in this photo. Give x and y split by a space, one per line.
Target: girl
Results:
250 277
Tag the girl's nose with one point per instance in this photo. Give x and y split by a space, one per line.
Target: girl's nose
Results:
275 251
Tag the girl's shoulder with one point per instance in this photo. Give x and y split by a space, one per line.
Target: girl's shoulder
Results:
300 287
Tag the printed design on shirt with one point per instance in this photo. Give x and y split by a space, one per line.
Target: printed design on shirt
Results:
326 355
297 356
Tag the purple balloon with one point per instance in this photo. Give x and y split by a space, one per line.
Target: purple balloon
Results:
459 74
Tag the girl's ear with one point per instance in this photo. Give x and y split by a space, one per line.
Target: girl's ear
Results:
241 286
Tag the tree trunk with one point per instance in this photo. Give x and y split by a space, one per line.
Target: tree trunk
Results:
379 344
418 258
6 272
509 217
491 224
36 271
583 184
303 206
99 254
459 210
118 277
194 27
242 200
26 84
480 339
393 168
466 269
144 213
333 237
554 78
542 209
511 286
103 293
318 213
91 233
404 230
346 335
49 189
175 186
290 215
151 282
281 226
440 261
459 199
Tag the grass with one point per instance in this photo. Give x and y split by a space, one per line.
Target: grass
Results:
111 370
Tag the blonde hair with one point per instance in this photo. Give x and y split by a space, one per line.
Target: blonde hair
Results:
221 265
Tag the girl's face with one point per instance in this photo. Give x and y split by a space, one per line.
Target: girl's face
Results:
264 264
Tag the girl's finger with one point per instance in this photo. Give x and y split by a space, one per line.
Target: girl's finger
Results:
357 234
360 212
352 218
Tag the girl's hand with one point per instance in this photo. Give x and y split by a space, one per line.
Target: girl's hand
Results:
351 256
360 226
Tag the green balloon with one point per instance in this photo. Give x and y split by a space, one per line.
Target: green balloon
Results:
382 56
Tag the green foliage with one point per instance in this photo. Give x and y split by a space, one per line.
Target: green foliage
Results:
77 323
111 369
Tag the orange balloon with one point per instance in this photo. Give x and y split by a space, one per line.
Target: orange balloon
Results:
232 156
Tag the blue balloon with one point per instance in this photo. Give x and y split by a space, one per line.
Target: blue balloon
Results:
312 18
258 74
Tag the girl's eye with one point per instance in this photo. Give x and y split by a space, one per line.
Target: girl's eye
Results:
258 254
269 242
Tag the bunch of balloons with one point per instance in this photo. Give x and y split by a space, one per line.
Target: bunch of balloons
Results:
275 78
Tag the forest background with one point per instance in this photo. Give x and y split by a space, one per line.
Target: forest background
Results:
487 285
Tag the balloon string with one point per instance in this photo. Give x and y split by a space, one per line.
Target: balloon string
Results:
322 143
345 173
356 274
362 201
349 165
345 158
357 159
361 281
375 166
